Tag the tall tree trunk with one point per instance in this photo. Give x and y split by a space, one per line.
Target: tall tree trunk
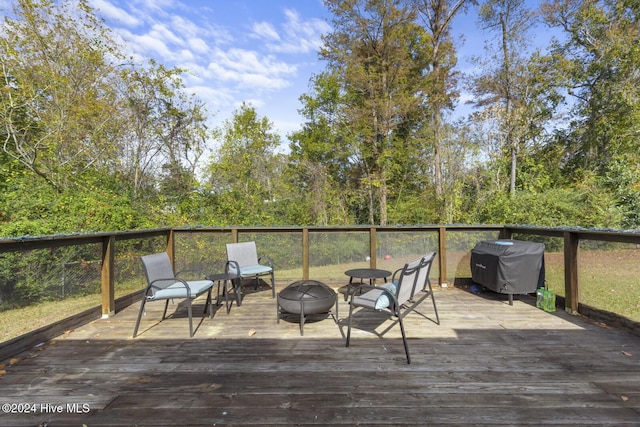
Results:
383 200
508 105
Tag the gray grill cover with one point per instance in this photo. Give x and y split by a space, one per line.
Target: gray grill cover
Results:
508 266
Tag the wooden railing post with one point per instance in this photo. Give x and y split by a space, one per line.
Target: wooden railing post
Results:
108 276
234 235
442 256
305 253
571 283
505 233
171 247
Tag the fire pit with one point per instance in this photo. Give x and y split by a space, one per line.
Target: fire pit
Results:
306 297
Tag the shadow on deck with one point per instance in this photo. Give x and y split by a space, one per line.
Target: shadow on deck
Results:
488 363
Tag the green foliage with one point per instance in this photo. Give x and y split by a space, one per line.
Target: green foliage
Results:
31 207
622 179
377 54
243 174
58 106
598 65
584 207
90 144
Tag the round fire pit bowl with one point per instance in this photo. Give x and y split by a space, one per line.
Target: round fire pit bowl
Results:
306 297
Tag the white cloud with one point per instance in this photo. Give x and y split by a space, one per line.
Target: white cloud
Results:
265 30
215 97
249 68
147 45
159 6
196 73
255 103
297 36
108 10
185 55
198 45
301 36
228 60
163 33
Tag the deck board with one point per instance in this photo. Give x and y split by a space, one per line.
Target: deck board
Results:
487 363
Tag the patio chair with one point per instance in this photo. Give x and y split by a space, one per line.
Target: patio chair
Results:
164 284
399 297
243 260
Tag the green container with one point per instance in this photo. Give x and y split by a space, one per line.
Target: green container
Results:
540 298
549 301
546 300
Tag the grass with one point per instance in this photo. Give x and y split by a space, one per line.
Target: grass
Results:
16 322
609 280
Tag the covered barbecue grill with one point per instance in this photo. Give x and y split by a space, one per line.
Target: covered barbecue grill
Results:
508 266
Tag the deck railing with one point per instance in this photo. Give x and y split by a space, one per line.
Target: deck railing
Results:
309 252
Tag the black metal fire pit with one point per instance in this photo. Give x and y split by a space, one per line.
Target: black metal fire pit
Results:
306 297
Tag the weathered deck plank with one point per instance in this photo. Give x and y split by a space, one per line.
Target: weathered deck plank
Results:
488 363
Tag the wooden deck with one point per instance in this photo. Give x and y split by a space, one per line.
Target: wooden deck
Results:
488 363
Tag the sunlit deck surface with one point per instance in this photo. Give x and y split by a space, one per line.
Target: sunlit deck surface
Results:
488 363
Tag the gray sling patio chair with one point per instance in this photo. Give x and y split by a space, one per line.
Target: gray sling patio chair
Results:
164 284
398 297
243 260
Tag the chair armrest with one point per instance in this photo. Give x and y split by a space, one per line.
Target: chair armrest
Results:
393 278
175 279
232 264
269 260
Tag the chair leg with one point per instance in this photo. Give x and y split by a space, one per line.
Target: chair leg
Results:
349 325
226 296
433 299
238 287
435 308
273 285
404 340
135 329
209 304
190 321
164 313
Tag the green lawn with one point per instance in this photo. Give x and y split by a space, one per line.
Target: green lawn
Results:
14 323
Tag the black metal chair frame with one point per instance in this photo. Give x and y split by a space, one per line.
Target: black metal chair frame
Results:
155 284
398 309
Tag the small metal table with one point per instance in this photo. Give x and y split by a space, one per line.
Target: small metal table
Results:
226 279
370 274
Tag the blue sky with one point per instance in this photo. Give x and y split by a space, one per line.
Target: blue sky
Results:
261 52
258 51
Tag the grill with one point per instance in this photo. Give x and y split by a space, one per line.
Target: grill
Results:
508 266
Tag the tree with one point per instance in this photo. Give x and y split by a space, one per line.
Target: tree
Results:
377 53
91 125
441 90
58 106
599 65
504 82
318 173
244 173
166 131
